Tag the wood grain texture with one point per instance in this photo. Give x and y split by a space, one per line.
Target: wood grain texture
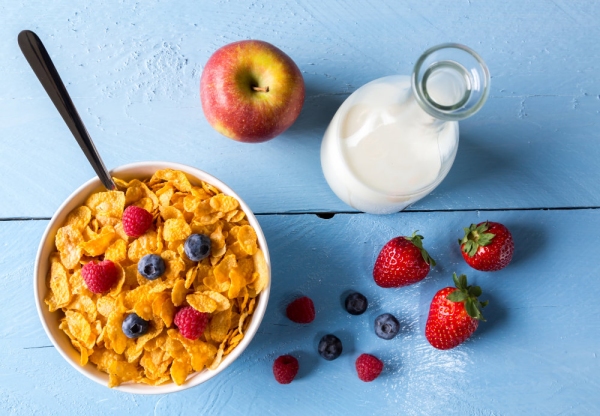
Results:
536 354
133 71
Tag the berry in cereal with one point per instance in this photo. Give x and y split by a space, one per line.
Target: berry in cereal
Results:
134 326
151 266
100 277
197 247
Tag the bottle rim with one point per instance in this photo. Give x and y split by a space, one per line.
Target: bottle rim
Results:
462 109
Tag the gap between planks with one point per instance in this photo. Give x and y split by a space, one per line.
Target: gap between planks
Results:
332 213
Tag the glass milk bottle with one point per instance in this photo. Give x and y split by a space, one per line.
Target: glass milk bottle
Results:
394 139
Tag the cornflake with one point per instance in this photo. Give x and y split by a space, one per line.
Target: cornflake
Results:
225 285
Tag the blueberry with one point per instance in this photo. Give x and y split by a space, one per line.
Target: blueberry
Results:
356 303
134 326
197 247
330 347
151 266
386 326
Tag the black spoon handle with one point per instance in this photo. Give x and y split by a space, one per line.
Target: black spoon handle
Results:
39 60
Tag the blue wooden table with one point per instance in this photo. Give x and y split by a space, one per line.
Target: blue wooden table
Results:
529 159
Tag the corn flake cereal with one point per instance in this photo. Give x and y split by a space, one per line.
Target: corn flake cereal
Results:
179 292
201 302
67 243
79 218
176 229
224 285
60 292
247 239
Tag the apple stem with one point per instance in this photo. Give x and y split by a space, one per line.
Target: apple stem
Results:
265 89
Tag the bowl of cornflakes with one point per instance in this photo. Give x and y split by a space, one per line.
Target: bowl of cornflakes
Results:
125 336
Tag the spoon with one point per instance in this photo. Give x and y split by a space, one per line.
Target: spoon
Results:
39 60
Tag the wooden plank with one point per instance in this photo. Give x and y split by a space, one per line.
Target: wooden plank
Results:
537 352
133 71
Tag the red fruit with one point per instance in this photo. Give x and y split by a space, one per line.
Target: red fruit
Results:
368 367
301 311
454 314
285 369
136 221
251 91
190 322
487 246
401 262
99 277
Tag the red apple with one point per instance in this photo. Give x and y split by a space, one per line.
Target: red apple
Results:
251 91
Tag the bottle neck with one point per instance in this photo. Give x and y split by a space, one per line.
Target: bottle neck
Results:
443 90
450 82
418 115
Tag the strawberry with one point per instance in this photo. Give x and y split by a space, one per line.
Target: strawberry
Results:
401 262
487 246
454 314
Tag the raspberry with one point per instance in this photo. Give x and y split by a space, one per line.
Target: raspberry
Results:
368 367
100 277
285 369
301 311
190 322
136 221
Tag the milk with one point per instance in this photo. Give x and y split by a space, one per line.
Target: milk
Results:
382 151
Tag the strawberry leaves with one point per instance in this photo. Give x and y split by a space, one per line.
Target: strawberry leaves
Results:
417 240
475 237
469 295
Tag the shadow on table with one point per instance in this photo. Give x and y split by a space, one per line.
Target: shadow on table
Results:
496 315
286 298
393 367
308 360
477 163
530 241
318 110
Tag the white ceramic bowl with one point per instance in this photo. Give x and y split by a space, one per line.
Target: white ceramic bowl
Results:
50 321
